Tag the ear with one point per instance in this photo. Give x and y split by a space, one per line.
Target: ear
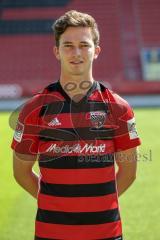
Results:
56 52
97 51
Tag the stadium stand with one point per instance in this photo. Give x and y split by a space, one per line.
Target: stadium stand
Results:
148 19
26 57
32 3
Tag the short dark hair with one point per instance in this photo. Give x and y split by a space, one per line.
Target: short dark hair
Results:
74 18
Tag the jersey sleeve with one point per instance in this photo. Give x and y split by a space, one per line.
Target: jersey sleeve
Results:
25 140
126 135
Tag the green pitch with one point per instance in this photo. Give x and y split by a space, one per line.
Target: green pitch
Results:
140 209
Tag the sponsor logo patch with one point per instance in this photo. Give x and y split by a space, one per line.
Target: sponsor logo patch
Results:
131 124
19 132
76 148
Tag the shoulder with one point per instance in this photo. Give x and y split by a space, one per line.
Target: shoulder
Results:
117 104
46 95
35 103
112 96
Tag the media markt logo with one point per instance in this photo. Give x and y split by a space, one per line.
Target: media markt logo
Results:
77 148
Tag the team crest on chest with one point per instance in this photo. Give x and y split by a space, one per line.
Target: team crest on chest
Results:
97 118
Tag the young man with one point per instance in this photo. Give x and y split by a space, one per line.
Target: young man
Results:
76 128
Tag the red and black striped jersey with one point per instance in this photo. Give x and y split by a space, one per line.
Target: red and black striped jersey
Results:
76 143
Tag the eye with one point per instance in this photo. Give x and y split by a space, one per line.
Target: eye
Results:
85 45
67 45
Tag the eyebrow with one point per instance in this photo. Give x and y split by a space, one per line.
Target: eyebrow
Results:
84 42
67 42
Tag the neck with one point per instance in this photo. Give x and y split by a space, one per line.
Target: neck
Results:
77 81
76 86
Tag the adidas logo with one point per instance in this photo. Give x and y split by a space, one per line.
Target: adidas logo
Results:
54 122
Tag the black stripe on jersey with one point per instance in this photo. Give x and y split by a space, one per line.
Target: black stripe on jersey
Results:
114 238
76 162
58 107
52 108
82 218
58 135
73 134
78 190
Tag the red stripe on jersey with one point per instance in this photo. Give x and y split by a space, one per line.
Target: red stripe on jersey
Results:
67 120
71 120
77 204
78 232
123 142
98 96
77 176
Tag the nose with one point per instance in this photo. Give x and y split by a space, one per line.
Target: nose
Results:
77 51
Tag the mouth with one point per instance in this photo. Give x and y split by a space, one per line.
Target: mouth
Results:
76 62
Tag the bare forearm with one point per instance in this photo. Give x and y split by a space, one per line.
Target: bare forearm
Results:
29 181
127 167
123 182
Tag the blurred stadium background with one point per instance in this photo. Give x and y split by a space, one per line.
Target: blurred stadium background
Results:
130 39
129 63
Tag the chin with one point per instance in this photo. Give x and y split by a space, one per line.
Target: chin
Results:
76 73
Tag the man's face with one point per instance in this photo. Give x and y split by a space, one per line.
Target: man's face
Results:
76 51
